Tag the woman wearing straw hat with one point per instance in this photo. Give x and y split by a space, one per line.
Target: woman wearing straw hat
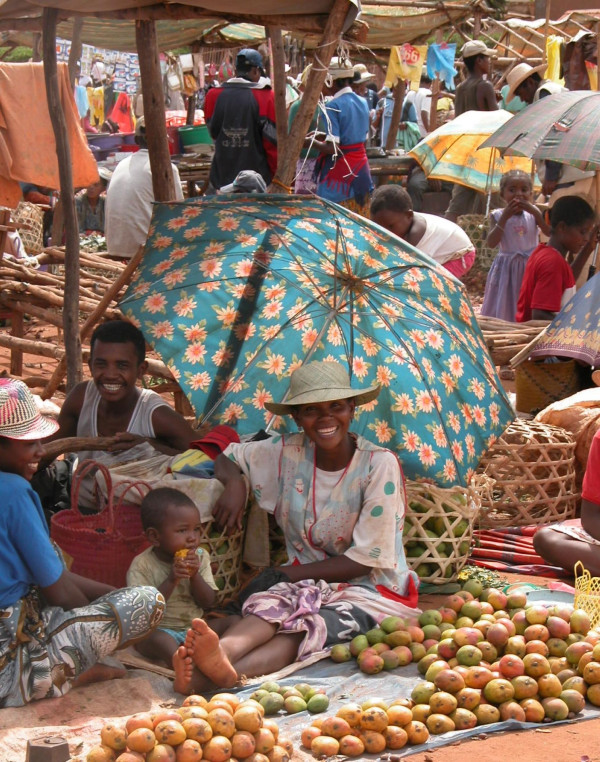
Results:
55 626
343 173
340 502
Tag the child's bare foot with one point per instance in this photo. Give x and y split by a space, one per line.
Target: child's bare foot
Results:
203 646
98 674
184 668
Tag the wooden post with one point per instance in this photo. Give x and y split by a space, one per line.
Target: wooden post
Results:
75 52
154 111
37 47
435 96
279 86
286 162
63 153
399 95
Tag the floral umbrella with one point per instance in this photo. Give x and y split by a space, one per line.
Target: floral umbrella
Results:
452 151
236 292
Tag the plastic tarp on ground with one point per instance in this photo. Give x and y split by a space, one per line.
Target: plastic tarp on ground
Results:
344 684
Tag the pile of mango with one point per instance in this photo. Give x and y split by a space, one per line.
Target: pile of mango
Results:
218 730
302 697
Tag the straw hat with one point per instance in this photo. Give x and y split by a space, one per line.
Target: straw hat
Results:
362 74
340 68
19 416
321 382
518 75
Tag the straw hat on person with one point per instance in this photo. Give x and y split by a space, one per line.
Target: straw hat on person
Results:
321 382
362 74
19 416
518 75
340 68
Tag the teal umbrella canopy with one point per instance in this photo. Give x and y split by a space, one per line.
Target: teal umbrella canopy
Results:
235 292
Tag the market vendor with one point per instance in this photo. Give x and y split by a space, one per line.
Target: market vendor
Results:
340 502
112 404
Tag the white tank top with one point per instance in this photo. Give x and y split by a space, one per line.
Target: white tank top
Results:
140 423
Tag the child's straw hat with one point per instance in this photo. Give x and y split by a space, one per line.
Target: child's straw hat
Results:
19 416
321 382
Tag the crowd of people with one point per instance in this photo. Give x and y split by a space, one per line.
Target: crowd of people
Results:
338 499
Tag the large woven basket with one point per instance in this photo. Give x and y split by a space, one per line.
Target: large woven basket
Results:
587 595
538 384
476 226
532 466
32 234
438 529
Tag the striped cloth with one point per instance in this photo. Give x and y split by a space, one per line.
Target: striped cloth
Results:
510 549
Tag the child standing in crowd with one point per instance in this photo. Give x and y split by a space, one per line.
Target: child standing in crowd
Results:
549 280
175 565
340 502
444 241
55 626
515 230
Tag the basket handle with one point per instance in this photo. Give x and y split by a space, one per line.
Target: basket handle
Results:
140 486
84 470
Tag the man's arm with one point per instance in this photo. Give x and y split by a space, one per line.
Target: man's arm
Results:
172 429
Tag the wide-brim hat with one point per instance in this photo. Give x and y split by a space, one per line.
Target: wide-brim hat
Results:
321 382
19 416
518 75
362 74
340 68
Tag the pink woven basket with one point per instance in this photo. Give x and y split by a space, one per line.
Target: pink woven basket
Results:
103 544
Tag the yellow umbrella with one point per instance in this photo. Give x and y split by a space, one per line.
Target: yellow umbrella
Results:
451 152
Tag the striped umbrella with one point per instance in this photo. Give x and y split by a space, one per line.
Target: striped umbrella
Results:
564 127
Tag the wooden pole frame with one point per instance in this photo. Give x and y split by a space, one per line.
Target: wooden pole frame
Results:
286 161
163 184
63 152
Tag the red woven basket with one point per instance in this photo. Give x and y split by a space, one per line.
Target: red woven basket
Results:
103 544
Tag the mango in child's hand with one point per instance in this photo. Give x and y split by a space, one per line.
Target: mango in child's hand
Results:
181 553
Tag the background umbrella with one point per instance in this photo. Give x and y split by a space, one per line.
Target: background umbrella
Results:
235 292
574 330
451 152
564 127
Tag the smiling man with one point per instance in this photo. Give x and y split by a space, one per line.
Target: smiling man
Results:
111 404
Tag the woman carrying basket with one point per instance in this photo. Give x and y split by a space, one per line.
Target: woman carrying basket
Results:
340 502
55 626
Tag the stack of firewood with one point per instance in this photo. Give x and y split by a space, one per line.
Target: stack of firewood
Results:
506 340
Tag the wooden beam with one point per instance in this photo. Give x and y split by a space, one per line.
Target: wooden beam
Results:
399 95
279 86
286 163
154 111
76 49
63 153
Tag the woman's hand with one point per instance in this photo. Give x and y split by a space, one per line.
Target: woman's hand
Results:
228 510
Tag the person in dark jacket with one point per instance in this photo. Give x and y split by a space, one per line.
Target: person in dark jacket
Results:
241 118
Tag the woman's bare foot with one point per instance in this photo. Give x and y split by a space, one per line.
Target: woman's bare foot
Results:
98 674
184 669
203 646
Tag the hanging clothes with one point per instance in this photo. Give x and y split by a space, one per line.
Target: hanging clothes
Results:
28 148
554 45
96 99
440 60
81 99
406 62
121 113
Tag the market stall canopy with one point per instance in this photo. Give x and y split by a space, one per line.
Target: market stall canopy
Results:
110 22
377 25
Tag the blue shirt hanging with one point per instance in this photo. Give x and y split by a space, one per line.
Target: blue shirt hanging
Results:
440 60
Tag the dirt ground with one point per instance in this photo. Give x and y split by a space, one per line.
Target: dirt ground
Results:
573 742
